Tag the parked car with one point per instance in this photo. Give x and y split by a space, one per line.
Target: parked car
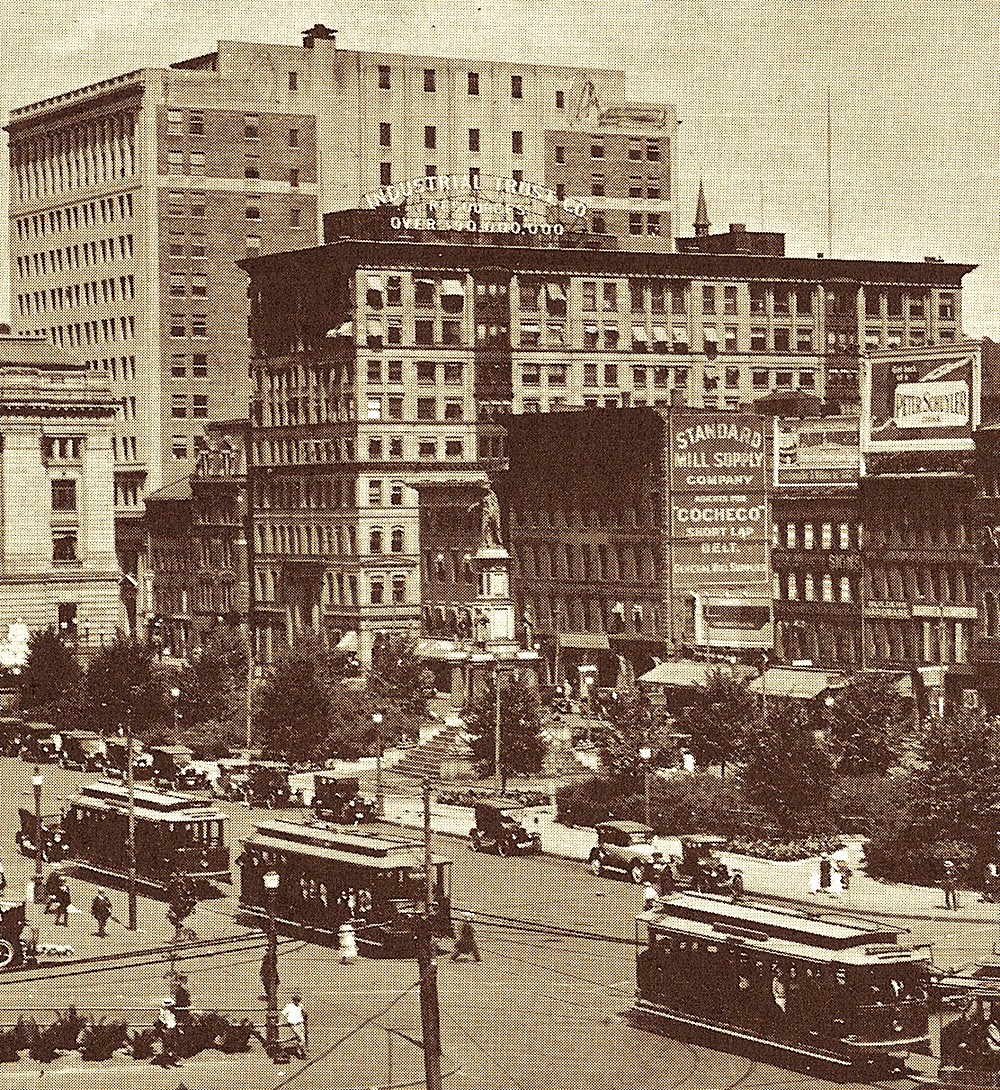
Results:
700 867
338 799
267 784
627 848
84 749
172 768
55 847
500 828
41 742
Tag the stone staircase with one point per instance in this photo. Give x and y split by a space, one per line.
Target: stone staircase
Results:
425 760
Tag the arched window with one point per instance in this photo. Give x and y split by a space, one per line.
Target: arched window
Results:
396 542
375 540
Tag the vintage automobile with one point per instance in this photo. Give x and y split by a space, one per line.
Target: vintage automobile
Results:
338 799
267 784
142 762
627 848
699 867
14 951
500 828
41 742
55 846
172 768
85 750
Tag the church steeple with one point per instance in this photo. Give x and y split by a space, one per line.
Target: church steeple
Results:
701 220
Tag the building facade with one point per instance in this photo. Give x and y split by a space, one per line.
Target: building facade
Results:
57 552
132 200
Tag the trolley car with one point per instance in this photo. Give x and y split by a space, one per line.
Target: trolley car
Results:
329 877
839 994
174 834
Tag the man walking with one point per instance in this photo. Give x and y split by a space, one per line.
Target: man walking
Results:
100 909
63 902
950 883
465 944
295 1019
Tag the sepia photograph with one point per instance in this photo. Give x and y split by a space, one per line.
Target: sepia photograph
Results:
500 588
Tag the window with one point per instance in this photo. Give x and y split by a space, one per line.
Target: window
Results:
199 365
293 81
590 374
199 284
175 162
378 586
597 185
293 177
175 122
64 545
611 374
197 160
844 536
178 406
517 143
807 536
516 87
179 447
473 140
430 137
395 412
597 224
782 340
560 100
557 374
176 244
178 284
845 588
253 212
178 325
375 447
385 173
199 325
396 493
427 448
375 494
426 408
758 340
200 409
178 366
453 448
635 223
196 123
453 409
399 588
597 151
375 372
430 79
293 138
473 83
295 217
708 299
653 189
653 150
652 223
64 494
175 203
251 126
803 340
634 148
635 188
560 153
395 369
424 331
946 306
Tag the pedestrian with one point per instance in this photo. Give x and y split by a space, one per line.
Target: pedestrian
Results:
3 880
100 909
648 897
182 999
63 902
166 1030
991 882
465 944
738 888
950 884
296 1020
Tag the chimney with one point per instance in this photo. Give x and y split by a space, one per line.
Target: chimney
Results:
318 33
737 228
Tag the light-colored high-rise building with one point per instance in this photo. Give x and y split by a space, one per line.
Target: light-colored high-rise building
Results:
132 199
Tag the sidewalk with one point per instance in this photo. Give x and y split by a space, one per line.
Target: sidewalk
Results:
788 882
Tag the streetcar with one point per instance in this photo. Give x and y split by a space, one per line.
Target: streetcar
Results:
174 834
328 877
833 993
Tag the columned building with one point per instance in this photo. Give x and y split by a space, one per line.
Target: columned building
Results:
57 552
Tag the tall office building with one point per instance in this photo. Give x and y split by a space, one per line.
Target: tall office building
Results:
132 199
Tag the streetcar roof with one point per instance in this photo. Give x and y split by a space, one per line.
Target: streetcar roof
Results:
766 928
335 845
149 804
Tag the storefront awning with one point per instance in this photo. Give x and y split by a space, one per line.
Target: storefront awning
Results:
555 291
452 287
374 283
348 642
685 674
659 333
796 682
436 649
584 641
638 333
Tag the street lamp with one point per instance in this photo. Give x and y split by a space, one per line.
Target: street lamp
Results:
377 721
175 695
645 753
270 970
36 783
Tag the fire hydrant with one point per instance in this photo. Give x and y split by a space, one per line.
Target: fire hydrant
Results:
347 943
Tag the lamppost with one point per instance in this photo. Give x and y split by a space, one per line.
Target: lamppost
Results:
269 972
36 783
175 695
645 754
377 721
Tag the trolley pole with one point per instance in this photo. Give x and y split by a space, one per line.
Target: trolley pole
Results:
130 852
496 731
430 1018
428 862
36 783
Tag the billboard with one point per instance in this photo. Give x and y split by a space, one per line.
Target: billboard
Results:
719 472
922 398
816 450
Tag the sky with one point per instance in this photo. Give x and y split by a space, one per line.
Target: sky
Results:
914 90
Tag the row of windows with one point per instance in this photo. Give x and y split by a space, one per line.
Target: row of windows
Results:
193 163
179 446
78 256
89 293
88 334
125 448
472 84
184 325
326 494
86 154
180 367
305 451
87 214
587 563
808 535
786 586
181 284
180 406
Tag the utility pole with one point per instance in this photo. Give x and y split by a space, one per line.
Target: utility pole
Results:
496 731
130 855
430 1018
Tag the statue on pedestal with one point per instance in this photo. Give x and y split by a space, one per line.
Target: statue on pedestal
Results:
489 513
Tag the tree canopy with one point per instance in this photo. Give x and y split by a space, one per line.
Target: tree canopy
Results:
124 682
522 745
720 716
869 722
51 680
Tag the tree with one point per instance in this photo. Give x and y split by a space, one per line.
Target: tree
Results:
522 746
124 682
51 680
632 725
397 687
719 718
309 709
212 707
786 771
869 723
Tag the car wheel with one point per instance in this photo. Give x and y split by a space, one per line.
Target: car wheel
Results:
595 864
502 848
638 873
6 953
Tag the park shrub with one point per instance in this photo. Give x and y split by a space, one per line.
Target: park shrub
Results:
100 1039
